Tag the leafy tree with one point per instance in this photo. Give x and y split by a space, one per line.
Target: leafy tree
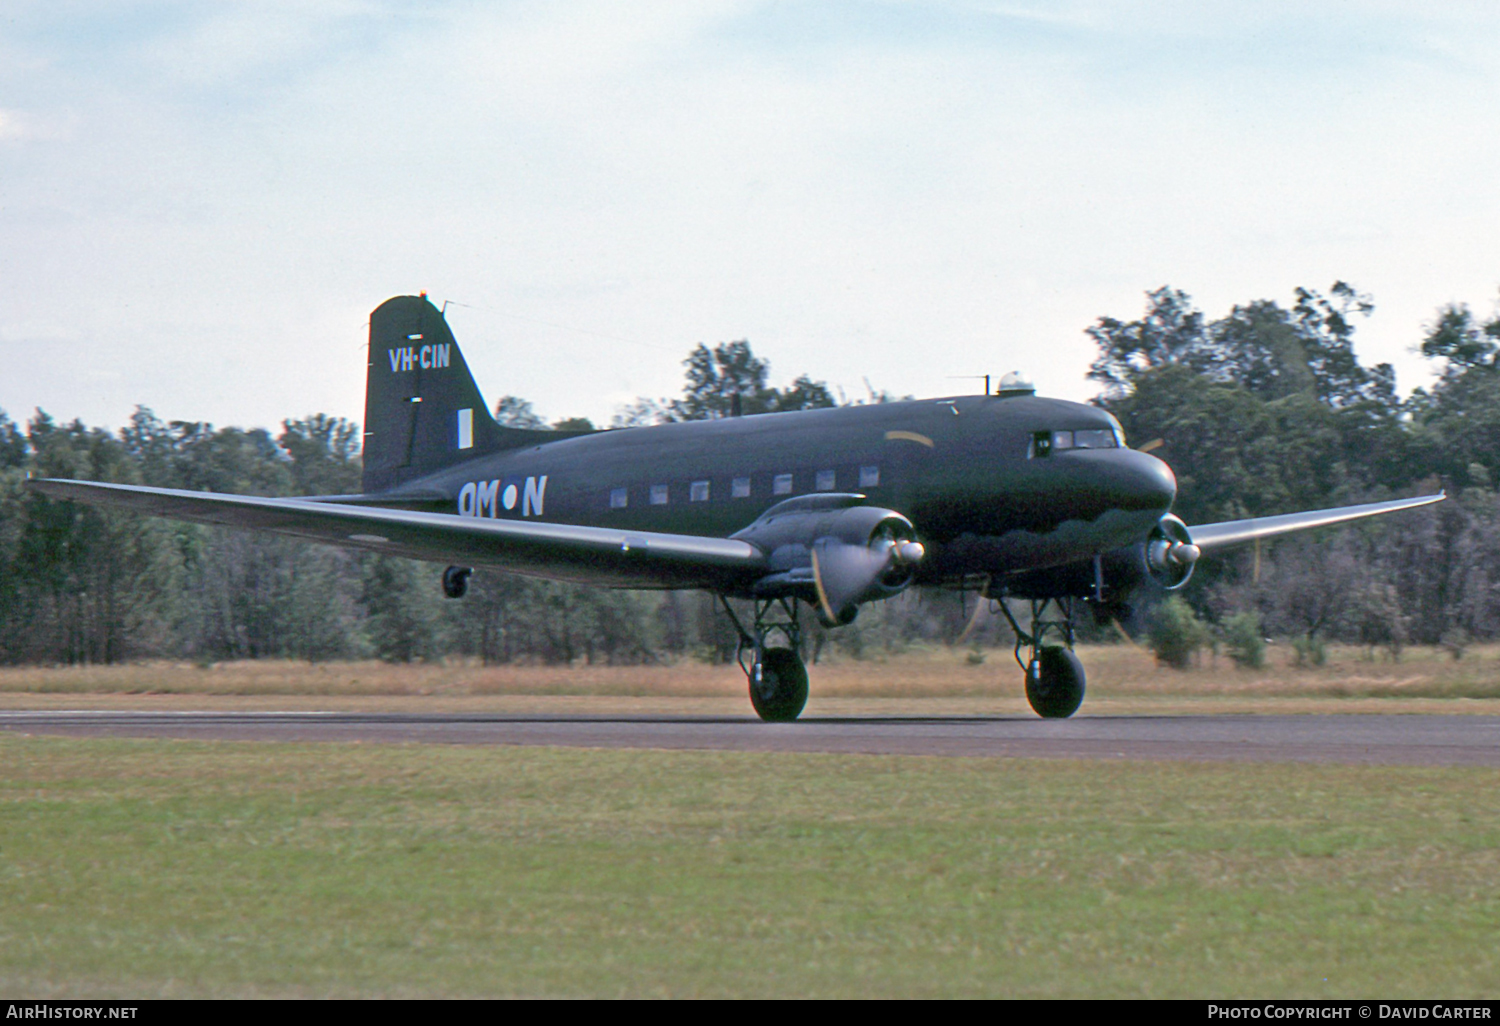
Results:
1175 633
92 585
1263 411
324 454
401 602
13 447
1234 453
1326 330
1171 333
513 411
803 394
254 596
196 456
720 379
726 381
1456 338
1457 424
1243 640
1260 347
641 413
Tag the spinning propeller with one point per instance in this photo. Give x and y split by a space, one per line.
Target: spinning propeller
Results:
846 574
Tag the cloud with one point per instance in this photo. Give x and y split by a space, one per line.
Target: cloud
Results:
21 126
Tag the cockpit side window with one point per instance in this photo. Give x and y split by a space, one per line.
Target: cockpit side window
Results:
1041 444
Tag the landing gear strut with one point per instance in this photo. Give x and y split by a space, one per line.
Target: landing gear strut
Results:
771 659
1054 676
456 581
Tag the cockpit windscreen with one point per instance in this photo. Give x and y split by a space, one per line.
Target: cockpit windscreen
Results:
1045 443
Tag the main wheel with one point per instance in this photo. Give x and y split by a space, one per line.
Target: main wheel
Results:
778 685
1054 684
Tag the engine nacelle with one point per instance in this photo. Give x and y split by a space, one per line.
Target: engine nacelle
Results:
1170 553
1165 559
834 553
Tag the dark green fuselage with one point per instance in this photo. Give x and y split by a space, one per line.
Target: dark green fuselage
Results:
967 471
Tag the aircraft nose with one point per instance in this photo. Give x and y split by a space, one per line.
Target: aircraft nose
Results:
1143 482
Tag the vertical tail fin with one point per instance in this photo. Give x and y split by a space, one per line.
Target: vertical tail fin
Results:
423 411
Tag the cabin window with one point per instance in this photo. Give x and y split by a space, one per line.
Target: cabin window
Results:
869 477
658 495
698 491
619 498
781 484
739 488
1041 444
825 481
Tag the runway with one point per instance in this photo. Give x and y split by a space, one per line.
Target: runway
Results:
1381 739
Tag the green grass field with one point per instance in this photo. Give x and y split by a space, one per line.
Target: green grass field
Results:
162 868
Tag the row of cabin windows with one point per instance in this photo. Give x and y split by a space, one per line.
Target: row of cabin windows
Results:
1045 443
739 487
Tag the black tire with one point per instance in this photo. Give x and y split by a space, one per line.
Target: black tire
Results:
781 691
456 581
1054 686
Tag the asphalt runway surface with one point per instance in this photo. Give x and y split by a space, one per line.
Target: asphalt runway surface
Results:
1388 739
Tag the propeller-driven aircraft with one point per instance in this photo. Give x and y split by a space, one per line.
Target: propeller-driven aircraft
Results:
1015 496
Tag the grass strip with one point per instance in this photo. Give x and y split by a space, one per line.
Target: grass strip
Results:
168 868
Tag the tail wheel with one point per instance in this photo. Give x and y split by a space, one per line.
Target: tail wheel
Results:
1054 683
456 581
778 685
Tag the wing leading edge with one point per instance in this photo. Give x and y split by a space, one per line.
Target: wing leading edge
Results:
595 555
1211 537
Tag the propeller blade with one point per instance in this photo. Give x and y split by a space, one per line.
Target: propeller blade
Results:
817 570
981 606
845 575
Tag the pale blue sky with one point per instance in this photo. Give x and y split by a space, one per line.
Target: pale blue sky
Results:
200 203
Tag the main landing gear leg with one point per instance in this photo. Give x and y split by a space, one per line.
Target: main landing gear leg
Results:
777 675
1054 676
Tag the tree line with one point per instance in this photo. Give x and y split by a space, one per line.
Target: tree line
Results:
80 584
1264 410
1268 410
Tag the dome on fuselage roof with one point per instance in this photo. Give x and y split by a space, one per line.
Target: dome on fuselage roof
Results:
1016 383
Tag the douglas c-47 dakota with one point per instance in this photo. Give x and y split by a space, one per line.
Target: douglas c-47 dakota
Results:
1019 497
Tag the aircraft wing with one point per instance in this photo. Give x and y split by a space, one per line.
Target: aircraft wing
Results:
1211 537
597 555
